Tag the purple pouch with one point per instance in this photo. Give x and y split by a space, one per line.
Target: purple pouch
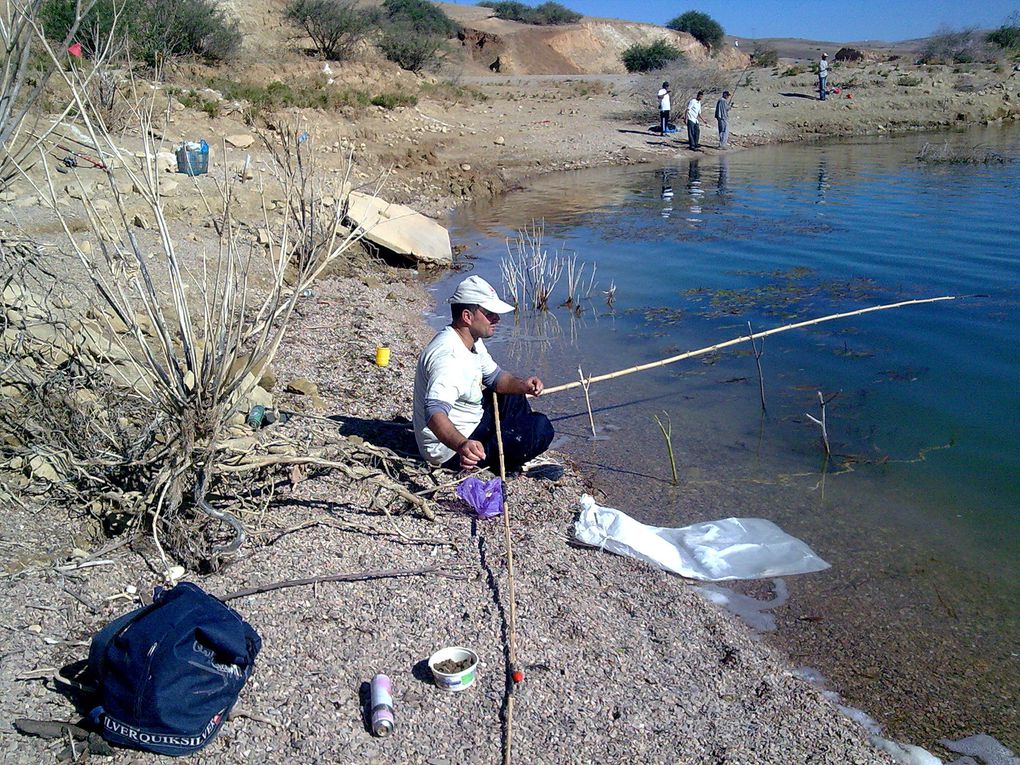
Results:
486 499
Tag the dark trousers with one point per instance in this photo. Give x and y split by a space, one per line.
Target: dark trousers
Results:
664 121
526 434
693 134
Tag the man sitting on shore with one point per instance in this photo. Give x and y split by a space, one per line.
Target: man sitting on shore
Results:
453 420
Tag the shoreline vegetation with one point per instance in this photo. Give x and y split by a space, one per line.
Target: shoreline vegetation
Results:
621 663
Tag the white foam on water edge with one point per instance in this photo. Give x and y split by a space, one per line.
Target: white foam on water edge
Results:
981 748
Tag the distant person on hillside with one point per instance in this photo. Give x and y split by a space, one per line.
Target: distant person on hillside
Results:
694 121
454 423
823 77
722 116
664 107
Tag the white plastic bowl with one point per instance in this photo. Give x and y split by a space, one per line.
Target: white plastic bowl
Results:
454 681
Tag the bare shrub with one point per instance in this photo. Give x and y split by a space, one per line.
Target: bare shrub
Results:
21 86
685 81
189 354
949 46
764 55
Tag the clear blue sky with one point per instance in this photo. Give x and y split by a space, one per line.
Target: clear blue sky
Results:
841 21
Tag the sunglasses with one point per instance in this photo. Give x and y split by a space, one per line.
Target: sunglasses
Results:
489 315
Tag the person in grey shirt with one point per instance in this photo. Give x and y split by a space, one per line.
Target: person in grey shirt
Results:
722 116
823 77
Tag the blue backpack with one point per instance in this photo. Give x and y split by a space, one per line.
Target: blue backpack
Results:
169 673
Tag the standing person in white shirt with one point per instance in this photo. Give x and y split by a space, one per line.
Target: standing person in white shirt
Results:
453 420
664 108
693 119
823 77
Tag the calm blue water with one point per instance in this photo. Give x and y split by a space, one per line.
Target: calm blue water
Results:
925 427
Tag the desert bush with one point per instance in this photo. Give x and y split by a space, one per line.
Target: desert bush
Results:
552 14
336 27
647 58
1007 36
949 46
792 71
410 50
393 100
546 14
421 16
194 100
155 31
413 33
701 26
764 55
908 81
451 91
304 93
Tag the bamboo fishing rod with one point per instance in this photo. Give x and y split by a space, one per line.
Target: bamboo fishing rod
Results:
741 339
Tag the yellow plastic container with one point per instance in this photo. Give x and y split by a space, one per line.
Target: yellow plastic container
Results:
382 356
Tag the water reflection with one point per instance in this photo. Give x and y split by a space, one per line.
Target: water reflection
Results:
666 176
694 190
723 178
823 179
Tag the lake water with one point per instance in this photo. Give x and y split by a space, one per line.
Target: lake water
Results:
918 510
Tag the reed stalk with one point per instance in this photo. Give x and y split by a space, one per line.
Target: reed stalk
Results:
757 363
822 401
667 435
585 384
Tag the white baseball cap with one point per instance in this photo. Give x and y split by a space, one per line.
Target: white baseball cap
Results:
476 291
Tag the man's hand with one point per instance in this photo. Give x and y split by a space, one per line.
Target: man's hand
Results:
471 453
533 386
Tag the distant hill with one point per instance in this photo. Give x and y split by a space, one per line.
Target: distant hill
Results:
797 49
589 46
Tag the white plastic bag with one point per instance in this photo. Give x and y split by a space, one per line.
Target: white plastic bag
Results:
731 548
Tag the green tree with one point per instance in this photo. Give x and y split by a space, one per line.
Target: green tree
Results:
413 32
646 58
701 26
335 26
420 16
552 14
546 14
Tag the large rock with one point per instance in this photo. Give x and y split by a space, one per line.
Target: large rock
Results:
400 229
240 141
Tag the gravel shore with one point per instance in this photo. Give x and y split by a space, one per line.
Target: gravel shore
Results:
621 662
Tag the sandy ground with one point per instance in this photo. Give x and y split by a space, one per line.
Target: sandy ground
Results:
622 663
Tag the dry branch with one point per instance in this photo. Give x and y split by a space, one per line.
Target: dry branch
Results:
363 576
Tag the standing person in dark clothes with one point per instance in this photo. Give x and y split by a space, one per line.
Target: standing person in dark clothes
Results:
722 117
693 119
453 420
